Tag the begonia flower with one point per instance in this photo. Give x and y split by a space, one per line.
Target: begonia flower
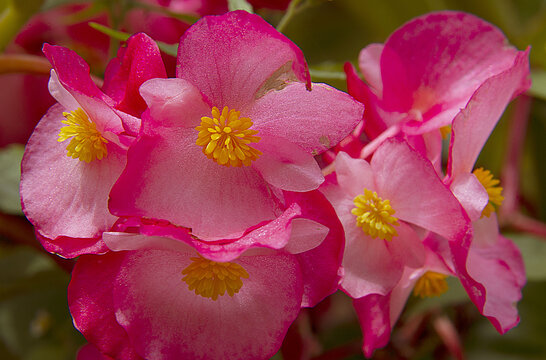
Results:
240 123
160 298
78 149
426 71
381 204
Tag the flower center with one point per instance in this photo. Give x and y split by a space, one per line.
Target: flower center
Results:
211 279
490 184
374 215
87 143
225 137
430 284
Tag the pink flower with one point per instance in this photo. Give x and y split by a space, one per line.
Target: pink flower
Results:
78 149
426 71
381 204
240 123
150 297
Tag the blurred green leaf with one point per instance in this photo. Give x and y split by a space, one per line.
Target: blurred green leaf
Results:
34 318
10 163
533 251
538 88
240 5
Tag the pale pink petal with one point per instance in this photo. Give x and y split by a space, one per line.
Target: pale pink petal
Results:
90 300
174 103
315 120
235 58
63 196
165 320
476 121
353 175
305 235
196 193
287 166
369 62
470 193
407 247
415 191
368 263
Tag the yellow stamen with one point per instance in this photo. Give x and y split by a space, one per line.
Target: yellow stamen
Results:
211 279
430 284
87 143
225 137
374 215
495 192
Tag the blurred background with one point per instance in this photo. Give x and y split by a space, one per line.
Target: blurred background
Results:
34 318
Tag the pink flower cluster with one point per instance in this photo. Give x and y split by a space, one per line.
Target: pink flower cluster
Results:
203 223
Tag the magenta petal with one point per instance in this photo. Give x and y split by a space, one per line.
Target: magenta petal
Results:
320 265
286 166
196 193
91 304
164 319
415 191
474 124
314 120
174 103
373 316
140 61
90 352
70 248
234 58
441 58
72 71
63 196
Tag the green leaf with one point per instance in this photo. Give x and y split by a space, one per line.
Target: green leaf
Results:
240 5
538 88
170 49
533 250
10 163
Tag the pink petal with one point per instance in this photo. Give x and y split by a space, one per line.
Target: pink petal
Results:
174 103
471 194
373 316
136 63
441 58
197 193
164 319
474 124
369 62
320 265
72 71
70 248
286 166
234 58
90 352
415 191
90 300
353 175
63 196
314 120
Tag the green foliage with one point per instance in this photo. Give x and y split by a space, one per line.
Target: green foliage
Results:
533 251
10 163
240 5
34 318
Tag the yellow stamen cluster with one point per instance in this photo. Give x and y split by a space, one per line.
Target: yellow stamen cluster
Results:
211 279
430 284
374 215
225 137
495 192
87 143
